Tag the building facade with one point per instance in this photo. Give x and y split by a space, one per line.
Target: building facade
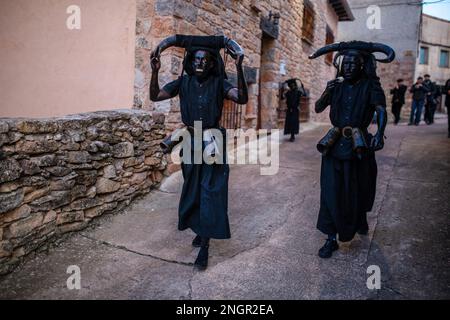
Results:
65 57
378 21
300 27
62 58
434 49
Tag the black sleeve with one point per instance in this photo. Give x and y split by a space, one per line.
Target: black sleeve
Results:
404 88
172 88
377 97
227 86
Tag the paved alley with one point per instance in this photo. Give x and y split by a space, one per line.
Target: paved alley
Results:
140 254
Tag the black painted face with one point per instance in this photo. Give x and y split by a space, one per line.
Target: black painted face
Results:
352 67
202 63
292 85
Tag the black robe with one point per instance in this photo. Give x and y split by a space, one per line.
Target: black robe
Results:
292 123
204 199
348 184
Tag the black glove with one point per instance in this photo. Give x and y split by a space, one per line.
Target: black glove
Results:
377 142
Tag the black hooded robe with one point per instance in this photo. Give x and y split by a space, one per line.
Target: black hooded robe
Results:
204 199
348 184
292 123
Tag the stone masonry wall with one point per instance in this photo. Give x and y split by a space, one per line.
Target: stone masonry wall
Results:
58 174
240 20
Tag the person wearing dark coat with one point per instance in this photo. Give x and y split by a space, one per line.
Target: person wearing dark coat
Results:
202 88
419 92
447 102
431 100
398 99
292 96
349 169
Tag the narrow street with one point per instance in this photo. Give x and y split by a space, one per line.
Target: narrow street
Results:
139 254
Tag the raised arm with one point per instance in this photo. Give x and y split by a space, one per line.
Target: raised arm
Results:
156 94
239 94
325 99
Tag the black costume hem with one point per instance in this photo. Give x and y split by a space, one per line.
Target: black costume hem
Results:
204 235
340 238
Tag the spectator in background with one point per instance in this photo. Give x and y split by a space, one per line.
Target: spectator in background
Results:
419 92
431 101
447 102
398 99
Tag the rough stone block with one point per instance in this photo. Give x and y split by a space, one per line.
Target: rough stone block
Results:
76 226
69 216
36 194
36 126
16 214
25 226
104 185
36 147
11 200
58 171
78 157
49 217
99 210
10 170
123 150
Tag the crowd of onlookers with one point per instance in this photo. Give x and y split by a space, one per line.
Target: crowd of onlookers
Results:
426 94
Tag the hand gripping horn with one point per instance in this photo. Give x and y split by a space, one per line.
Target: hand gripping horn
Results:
214 42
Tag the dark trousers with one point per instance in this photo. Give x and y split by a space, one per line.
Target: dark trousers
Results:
430 109
448 118
416 111
396 110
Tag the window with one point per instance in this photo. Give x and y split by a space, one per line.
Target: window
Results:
308 22
443 59
329 39
423 55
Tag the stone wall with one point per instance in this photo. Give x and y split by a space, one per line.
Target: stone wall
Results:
240 20
58 174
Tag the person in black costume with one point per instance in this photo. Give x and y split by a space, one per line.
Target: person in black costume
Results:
398 99
446 92
431 99
292 96
202 89
349 170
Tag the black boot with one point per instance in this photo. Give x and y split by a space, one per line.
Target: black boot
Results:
201 263
197 241
364 227
363 231
327 250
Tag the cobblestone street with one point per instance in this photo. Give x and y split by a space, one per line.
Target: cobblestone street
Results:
139 254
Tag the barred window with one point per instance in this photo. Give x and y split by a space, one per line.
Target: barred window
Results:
308 22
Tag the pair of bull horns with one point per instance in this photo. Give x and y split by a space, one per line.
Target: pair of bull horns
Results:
370 47
214 42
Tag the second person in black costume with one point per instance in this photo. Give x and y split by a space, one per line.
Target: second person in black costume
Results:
292 96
